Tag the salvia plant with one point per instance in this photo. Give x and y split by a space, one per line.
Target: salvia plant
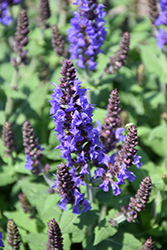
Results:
83 119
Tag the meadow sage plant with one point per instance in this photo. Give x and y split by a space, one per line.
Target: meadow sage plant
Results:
87 34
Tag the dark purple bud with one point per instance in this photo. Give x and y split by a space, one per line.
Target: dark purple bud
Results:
13 236
65 185
128 152
44 10
25 204
112 222
32 149
111 122
153 10
55 240
120 56
138 203
8 138
58 43
148 245
21 37
46 168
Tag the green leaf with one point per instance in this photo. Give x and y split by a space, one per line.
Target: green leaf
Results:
23 220
36 194
66 242
137 37
124 242
37 98
151 61
36 241
69 221
102 233
7 176
104 229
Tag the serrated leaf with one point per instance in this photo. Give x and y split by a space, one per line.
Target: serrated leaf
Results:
151 61
7 176
69 221
36 193
103 232
36 241
124 242
23 220
66 242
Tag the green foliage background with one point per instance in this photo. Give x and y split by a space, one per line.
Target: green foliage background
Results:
144 103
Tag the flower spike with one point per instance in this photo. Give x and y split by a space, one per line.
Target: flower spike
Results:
111 122
21 38
148 244
138 203
120 56
87 34
55 240
8 138
13 236
32 149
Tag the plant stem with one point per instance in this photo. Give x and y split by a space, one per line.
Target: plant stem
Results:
10 102
103 212
48 180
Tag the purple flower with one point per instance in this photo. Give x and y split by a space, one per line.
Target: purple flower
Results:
4 17
1 242
29 163
161 38
162 18
86 206
72 116
87 33
115 188
118 134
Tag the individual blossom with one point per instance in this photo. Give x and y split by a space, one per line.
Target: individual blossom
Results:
5 17
32 149
87 33
68 191
13 236
148 244
58 43
162 18
111 123
72 117
138 203
44 11
115 169
161 38
153 10
1 242
8 138
21 38
120 55
55 240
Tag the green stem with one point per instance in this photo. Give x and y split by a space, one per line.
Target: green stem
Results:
48 180
103 212
89 187
10 102
120 219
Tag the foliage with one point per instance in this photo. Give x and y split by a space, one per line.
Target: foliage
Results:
25 93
